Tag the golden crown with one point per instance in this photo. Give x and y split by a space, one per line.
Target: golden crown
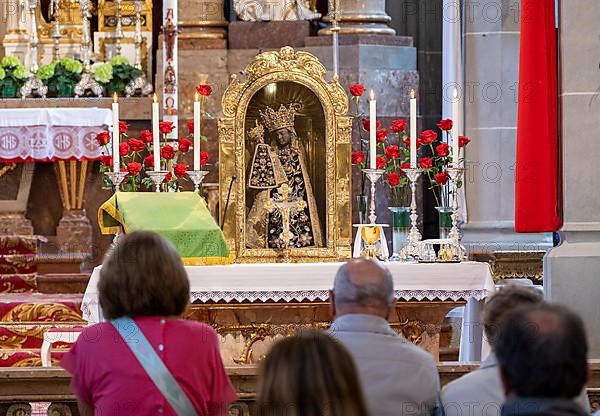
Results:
257 133
282 118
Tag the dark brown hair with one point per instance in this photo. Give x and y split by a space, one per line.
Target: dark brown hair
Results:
309 374
143 275
505 301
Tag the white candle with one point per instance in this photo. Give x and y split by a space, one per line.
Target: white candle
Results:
335 39
372 131
196 132
455 115
155 134
413 130
115 134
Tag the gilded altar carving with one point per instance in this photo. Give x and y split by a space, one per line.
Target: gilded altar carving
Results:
275 82
40 312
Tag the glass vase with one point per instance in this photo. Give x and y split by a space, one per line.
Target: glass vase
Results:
361 206
400 227
444 221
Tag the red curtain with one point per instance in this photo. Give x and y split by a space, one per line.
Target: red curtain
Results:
536 188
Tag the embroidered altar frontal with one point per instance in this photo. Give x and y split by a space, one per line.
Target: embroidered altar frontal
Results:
181 217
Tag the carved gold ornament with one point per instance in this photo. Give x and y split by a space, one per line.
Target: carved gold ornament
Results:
41 312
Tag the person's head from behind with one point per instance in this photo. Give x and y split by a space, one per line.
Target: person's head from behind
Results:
362 286
309 374
143 275
507 299
542 352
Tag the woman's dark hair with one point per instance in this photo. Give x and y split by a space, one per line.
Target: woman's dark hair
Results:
309 374
143 275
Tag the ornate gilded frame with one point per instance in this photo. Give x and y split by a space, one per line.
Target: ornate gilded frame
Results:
305 69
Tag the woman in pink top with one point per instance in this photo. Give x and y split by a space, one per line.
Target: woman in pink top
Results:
143 278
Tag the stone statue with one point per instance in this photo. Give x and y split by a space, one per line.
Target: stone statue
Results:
268 10
270 168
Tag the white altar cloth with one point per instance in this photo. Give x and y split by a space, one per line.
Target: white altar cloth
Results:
51 133
468 281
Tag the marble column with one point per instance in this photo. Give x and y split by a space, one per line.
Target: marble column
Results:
572 269
202 19
361 17
491 49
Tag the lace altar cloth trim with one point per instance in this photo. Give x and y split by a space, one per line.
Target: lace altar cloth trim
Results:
46 143
323 295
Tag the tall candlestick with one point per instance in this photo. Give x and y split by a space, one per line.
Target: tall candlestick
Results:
372 131
413 130
115 134
455 115
155 134
196 132
170 63
335 29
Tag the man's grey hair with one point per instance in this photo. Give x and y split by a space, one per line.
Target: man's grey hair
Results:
378 294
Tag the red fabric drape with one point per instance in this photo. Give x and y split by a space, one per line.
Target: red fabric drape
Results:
536 189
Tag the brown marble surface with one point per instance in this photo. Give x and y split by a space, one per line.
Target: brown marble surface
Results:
269 35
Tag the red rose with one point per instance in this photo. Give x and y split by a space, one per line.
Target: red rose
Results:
398 126
123 127
166 127
357 158
190 126
426 163
146 136
204 156
381 135
136 145
134 168
180 170
445 125
167 152
184 145
123 149
106 160
393 178
381 162
367 124
167 177
463 141
403 166
442 150
428 136
204 89
392 152
357 89
103 138
407 142
149 161
441 178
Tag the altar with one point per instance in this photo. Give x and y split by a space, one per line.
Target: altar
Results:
250 305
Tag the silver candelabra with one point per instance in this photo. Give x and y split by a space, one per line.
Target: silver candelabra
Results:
412 249
158 177
116 178
119 35
373 175
87 81
458 251
56 35
34 85
197 176
139 83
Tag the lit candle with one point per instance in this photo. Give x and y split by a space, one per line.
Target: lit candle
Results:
115 134
455 115
413 130
372 131
196 132
155 133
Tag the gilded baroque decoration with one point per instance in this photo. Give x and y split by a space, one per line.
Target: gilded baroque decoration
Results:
38 312
285 115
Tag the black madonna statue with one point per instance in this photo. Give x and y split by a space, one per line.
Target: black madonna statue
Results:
282 162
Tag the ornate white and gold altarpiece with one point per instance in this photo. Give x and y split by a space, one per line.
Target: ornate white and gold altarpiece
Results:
250 305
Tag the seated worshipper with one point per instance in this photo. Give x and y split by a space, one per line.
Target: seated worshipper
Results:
542 354
146 360
480 392
309 374
397 376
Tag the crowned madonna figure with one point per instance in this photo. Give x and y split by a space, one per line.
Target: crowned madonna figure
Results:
271 166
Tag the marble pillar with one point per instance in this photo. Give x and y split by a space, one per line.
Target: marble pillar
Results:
202 19
572 270
361 17
491 49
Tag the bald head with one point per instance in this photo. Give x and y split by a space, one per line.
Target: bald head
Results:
363 286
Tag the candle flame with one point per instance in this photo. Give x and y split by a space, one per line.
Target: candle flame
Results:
455 93
372 95
412 94
115 98
154 99
196 96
